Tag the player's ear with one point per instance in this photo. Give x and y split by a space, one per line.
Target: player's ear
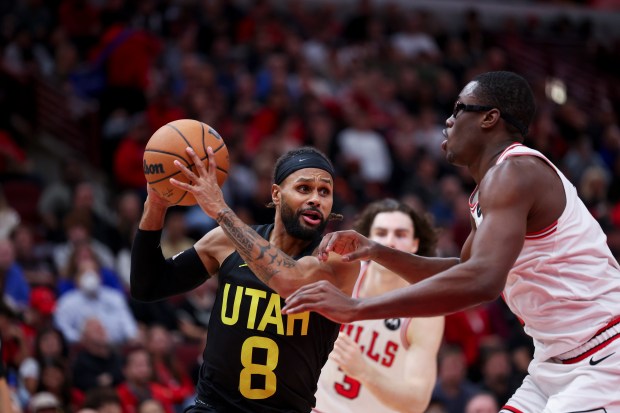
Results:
415 246
275 194
490 119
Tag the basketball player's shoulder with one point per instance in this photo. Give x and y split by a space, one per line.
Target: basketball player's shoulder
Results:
520 170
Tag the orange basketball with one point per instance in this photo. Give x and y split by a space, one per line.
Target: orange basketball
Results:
168 143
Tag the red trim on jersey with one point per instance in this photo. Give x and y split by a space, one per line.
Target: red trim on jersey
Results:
545 232
471 196
612 323
598 347
403 333
503 155
511 409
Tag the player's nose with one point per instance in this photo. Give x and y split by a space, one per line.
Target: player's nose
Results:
314 199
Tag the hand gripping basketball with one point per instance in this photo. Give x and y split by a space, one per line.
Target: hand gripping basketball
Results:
203 184
168 144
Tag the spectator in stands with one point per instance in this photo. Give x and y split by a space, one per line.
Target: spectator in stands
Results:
167 367
79 254
498 377
453 389
96 362
139 385
57 197
34 255
27 380
9 217
363 150
150 406
103 400
412 41
78 232
45 402
93 300
175 237
128 212
49 345
95 214
14 288
194 311
56 380
39 313
469 329
128 169
482 403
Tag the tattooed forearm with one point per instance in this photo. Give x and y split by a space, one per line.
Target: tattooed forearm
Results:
262 257
243 242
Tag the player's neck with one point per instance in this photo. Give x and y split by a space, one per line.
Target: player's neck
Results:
379 280
289 245
488 160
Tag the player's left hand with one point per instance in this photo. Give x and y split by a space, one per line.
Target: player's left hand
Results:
204 184
348 355
324 298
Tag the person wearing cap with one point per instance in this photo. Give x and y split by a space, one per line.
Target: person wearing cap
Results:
256 360
28 380
44 402
40 312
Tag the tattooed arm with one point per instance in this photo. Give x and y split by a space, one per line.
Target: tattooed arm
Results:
270 264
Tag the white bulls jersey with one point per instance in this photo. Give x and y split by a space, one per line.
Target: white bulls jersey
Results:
565 284
384 343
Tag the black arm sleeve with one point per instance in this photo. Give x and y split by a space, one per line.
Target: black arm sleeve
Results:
153 277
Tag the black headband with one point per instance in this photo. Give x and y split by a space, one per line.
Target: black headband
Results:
302 161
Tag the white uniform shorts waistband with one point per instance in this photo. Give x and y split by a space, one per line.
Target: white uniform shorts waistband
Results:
600 340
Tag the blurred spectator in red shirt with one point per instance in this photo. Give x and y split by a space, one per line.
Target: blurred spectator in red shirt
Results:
139 384
128 168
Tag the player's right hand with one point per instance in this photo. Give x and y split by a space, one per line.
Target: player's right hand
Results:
351 245
155 199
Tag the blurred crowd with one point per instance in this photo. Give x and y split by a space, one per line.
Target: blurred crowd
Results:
370 86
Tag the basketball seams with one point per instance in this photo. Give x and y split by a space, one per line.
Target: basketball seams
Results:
180 133
164 178
202 129
176 155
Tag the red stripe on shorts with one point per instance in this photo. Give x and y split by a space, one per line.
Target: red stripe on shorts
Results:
511 409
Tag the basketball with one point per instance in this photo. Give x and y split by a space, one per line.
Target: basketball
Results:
168 144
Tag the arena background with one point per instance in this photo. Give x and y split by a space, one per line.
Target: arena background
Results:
84 83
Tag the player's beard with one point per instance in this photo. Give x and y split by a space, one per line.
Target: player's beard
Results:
294 226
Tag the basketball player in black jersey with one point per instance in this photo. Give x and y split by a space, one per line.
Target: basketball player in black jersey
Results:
256 359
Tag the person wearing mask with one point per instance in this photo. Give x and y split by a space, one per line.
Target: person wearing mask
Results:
93 300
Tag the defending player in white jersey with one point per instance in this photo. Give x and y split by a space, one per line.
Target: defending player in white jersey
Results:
532 240
387 365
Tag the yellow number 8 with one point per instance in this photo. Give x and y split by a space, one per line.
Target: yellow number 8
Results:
245 378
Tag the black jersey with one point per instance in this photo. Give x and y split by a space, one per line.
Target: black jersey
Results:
257 359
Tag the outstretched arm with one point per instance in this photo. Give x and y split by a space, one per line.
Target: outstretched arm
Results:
495 247
353 246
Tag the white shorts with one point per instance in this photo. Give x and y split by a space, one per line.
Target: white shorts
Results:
586 381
